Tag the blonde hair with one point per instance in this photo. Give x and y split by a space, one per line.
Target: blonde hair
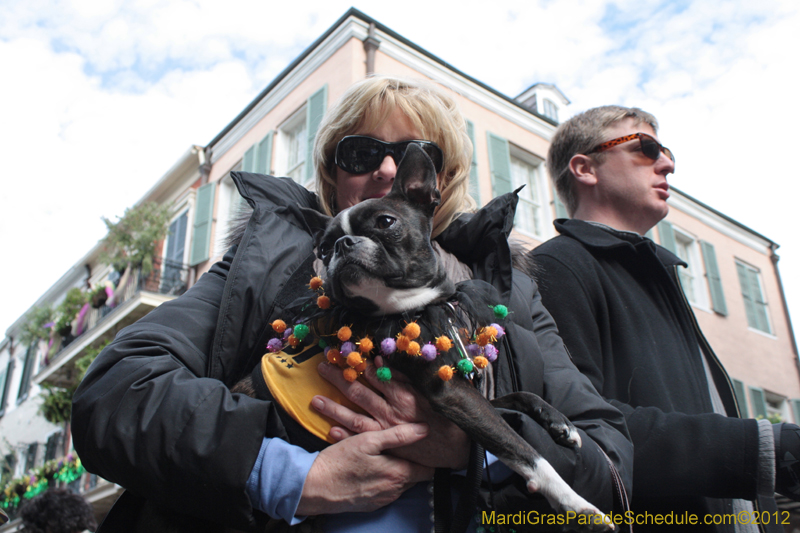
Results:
432 112
582 133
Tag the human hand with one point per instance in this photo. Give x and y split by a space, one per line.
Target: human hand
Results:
356 476
447 446
787 459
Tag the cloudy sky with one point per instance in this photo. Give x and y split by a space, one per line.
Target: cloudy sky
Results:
99 98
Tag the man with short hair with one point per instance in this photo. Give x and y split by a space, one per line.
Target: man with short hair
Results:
618 304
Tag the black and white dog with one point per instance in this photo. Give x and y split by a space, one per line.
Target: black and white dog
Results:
377 257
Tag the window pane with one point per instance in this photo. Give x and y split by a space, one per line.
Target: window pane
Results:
529 207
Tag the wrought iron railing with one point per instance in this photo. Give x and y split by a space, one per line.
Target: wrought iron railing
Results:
166 277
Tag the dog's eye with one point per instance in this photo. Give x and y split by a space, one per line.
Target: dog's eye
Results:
323 250
384 222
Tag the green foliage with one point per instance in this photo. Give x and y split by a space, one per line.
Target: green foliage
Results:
33 329
57 401
66 311
133 238
775 418
57 405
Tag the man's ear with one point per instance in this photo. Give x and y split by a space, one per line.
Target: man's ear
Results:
316 221
416 179
583 168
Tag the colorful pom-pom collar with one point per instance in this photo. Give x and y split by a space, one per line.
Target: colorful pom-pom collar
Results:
352 354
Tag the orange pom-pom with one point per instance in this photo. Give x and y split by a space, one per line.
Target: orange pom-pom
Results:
481 362
445 373
323 302
411 330
350 374
443 343
365 345
333 356
483 339
279 326
344 334
403 342
413 348
491 331
293 341
354 359
315 283
361 367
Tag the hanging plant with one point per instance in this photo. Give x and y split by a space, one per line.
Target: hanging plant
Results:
99 295
134 237
34 330
57 401
68 309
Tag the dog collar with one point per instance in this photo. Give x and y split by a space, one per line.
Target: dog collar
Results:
351 352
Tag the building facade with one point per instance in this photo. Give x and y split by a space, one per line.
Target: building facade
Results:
732 280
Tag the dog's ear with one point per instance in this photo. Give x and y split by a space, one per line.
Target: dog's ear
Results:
416 179
316 221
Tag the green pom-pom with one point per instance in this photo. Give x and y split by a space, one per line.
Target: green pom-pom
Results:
500 311
464 366
300 331
384 374
322 343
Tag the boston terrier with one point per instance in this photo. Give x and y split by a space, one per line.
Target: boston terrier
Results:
377 257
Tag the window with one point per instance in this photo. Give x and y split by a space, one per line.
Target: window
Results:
293 147
6 370
230 203
27 371
755 304
174 256
530 210
691 277
777 407
549 109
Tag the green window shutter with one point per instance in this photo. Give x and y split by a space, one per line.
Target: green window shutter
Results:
749 304
741 398
714 279
666 236
796 410
759 402
762 322
561 209
201 236
315 110
474 187
754 304
499 164
263 158
249 160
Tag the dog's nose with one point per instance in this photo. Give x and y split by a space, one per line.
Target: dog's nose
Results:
343 244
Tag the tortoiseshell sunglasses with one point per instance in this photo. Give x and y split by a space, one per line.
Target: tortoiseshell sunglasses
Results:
650 146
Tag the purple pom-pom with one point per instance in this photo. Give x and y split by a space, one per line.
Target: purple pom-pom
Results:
499 328
388 346
429 352
491 352
275 345
287 333
348 347
326 350
473 350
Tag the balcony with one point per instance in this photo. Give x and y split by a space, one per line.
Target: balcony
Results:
134 298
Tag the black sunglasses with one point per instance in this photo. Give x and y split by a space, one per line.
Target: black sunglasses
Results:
358 154
650 147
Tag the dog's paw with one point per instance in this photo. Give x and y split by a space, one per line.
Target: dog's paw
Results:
565 434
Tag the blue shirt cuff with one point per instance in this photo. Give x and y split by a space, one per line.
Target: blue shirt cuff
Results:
276 484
